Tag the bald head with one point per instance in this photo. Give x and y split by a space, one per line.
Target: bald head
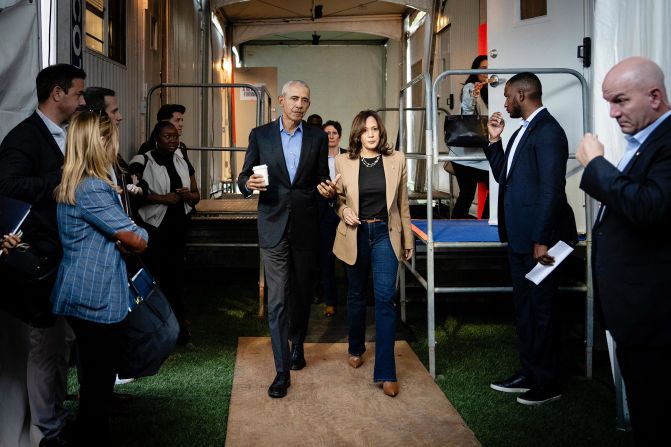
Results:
635 91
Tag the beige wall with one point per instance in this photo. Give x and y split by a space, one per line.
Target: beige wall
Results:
245 109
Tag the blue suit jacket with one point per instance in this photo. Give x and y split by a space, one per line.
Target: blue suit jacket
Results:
92 283
284 198
632 242
532 204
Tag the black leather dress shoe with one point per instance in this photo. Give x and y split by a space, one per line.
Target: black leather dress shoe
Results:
297 357
515 384
279 386
539 395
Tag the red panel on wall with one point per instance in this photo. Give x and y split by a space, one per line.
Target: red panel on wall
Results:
482 38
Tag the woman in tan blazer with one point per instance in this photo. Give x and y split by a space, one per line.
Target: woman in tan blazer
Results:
374 233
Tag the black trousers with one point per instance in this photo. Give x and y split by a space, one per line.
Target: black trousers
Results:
165 257
468 179
536 321
645 370
328 224
99 347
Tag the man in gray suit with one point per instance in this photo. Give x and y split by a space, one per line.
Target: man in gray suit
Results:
288 221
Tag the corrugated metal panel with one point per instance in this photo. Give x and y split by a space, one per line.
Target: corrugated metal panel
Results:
97 4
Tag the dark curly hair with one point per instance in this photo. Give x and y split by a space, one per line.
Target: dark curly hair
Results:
358 129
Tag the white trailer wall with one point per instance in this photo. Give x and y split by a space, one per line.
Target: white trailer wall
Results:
544 42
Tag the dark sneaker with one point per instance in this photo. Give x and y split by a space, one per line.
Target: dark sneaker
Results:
539 395
515 384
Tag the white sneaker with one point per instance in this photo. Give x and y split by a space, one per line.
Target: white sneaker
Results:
119 381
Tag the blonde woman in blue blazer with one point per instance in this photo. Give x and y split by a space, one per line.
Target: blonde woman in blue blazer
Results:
91 288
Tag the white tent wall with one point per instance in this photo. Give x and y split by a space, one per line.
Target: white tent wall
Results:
623 28
19 62
343 80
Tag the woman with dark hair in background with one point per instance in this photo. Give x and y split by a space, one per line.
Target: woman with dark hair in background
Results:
374 234
328 222
170 192
474 100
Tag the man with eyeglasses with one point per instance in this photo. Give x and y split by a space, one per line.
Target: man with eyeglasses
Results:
295 154
31 158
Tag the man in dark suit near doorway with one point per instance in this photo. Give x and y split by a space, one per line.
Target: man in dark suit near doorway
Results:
31 158
296 156
632 240
533 214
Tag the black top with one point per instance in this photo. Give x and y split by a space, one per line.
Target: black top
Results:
372 190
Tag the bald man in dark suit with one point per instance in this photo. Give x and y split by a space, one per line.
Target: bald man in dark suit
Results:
632 240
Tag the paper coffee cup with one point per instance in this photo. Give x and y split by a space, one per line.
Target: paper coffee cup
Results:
262 170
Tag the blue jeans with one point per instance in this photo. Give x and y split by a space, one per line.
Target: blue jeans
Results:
374 250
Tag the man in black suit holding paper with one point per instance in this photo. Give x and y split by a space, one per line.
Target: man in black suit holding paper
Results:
533 215
31 158
632 240
296 156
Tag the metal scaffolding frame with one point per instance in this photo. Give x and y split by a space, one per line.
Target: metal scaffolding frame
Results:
263 104
432 157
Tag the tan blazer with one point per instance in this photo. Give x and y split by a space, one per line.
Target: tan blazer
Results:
345 247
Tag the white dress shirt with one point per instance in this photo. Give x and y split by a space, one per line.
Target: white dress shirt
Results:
58 132
518 138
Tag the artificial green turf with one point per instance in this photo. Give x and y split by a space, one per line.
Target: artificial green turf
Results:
186 404
476 345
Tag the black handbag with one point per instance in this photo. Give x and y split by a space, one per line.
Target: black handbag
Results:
466 130
29 278
151 329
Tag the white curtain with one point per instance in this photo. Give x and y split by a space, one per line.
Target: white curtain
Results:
18 63
624 28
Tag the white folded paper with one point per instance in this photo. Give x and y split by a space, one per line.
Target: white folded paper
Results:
559 251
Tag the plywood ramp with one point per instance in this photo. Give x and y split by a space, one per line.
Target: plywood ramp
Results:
331 404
